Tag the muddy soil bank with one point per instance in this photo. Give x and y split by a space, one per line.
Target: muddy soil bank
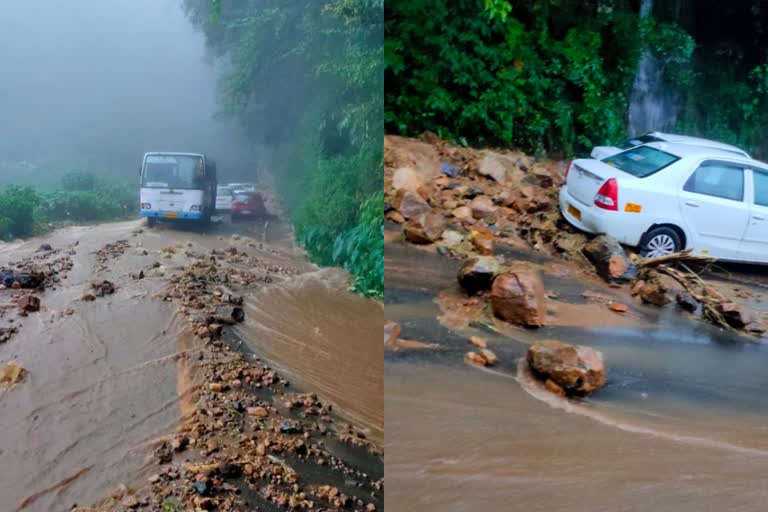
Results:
110 380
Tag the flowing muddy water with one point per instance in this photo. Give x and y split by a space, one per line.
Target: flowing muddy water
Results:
681 424
108 382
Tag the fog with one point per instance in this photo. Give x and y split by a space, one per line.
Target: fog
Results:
100 82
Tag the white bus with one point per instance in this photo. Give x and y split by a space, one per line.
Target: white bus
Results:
177 186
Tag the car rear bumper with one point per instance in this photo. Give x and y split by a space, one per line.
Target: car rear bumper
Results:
171 215
627 228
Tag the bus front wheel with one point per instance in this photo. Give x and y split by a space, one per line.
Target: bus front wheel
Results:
151 222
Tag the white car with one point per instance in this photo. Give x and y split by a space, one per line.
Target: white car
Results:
600 152
223 198
246 187
665 197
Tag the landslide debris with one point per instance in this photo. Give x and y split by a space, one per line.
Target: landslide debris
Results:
249 443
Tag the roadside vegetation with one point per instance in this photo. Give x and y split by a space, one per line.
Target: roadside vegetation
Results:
555 76
80 197
321 66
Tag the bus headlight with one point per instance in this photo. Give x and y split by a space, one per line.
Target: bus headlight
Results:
194 208
145 206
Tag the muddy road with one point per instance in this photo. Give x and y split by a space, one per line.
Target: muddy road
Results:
110 381
680 425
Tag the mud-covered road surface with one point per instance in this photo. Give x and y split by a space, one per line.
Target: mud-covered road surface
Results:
680 425
109 380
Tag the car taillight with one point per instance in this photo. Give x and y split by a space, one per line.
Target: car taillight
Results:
568 169
607 197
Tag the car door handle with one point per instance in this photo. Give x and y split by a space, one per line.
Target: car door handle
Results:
692 204
758 217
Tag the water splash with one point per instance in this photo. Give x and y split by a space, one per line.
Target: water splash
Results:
651 106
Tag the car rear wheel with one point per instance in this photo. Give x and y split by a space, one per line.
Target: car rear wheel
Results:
660 242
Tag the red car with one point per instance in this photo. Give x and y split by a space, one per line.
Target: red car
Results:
247 204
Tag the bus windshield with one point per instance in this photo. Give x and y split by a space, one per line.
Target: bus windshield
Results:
173 171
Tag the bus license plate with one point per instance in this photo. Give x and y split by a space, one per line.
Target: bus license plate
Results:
574 211
171 215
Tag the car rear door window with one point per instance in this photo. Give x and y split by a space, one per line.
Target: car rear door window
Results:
761 187
718 179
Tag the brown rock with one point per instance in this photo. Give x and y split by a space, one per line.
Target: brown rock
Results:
483 244
474 357
462 213
478 342
636 287
131 502
609 259
258 412
619 308
477 274
713 294
493 168
482 207
406 178
29 303
553 387
450 204
228 315
427 228
395 217
517 296
543 175
411 204
654 293
391 332
577 369
741 317
102 288
489 356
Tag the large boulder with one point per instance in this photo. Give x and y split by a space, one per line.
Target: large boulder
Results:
427 228
576 369
410 204
476 275
609 259
517 296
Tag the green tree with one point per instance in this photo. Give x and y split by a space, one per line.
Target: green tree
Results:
306 82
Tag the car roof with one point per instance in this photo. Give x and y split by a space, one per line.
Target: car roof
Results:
172 153
684 150
697 141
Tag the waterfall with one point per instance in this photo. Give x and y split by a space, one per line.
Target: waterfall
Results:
651 107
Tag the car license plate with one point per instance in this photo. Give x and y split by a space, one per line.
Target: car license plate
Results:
246 212
574 211
171 215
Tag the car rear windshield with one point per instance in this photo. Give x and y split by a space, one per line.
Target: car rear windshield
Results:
641 161
243 197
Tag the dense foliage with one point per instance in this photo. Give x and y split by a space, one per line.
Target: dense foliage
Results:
81 197
306 81
542 75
